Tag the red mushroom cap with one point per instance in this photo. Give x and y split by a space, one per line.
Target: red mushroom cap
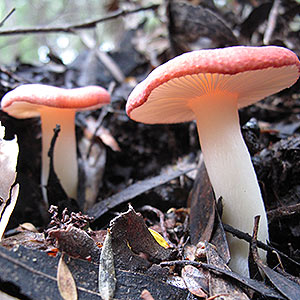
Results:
26 100
251 73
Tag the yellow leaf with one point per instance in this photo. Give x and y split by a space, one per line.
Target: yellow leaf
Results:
159 238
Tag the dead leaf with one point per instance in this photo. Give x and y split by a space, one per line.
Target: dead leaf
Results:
34 273
26 238
132 242
92 161
287 287
195 281
134 190
194 27
65 281
9 151
107 276
202 204
218 285
9 209
75 242
205 223
108 139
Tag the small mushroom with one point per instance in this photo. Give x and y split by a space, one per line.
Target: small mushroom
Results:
209 86
55 106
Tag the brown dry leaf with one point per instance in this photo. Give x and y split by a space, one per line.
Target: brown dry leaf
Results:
26 238
195 281
107 276
219 286
65 281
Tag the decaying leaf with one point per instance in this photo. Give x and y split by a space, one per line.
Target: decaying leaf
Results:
202 204
9 209
26 238
135 190
107 276
205 223
287 287
9 151
132 242
195 26
65 281
218 285
92 161
195 280
75 242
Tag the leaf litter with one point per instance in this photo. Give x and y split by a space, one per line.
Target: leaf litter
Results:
274 151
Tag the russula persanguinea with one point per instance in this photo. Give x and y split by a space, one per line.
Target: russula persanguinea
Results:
209 86
54 106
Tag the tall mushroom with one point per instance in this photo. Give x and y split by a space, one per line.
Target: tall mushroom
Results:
55 106
209 86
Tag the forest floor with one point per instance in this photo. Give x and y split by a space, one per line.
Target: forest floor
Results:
130 169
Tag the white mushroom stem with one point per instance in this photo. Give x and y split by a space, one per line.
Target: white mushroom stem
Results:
230 170
65 155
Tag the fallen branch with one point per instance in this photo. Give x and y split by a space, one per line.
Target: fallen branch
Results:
7 16
74 27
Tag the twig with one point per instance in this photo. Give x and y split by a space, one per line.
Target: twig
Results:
284 211
13 76
271 22
74 27
251 283
7 16
53 141
107 61
247 237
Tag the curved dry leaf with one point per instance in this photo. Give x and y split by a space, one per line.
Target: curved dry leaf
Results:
9 151
107 276
9 209
65 281
195 281
289 288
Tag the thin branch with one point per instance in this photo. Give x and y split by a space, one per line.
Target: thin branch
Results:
282 212
247 237
74 27
7 16
272 20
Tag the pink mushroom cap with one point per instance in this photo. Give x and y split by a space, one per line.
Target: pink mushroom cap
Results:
26 100
277 67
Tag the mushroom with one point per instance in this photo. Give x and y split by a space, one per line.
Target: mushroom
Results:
209 86
55 106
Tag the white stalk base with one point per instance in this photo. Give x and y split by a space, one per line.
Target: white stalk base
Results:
230 171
